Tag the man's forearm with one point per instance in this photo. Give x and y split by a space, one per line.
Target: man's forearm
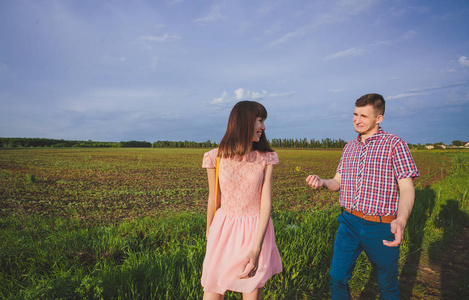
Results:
331 184
406 200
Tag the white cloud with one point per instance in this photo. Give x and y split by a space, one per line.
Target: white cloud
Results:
243 94
286 94
402 95
107 58
449 70
224 98
463 61
160 39
291 35
239 94
416 92
346 53
341 12
213 16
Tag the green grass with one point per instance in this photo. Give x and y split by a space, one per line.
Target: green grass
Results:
158 255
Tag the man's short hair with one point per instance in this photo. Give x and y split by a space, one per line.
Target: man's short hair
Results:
374 99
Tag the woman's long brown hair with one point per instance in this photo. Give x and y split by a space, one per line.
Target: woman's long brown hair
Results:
240 130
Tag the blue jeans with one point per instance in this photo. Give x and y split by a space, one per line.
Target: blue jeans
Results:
354 236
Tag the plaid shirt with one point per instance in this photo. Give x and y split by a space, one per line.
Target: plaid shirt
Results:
370 171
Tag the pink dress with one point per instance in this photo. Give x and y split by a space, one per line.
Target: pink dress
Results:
234 227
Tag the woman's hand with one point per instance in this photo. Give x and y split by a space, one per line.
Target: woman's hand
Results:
249 266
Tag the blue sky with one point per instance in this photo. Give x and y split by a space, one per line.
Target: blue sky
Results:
173 69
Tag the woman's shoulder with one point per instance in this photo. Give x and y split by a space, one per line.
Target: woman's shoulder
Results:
212 153
210 158
271 158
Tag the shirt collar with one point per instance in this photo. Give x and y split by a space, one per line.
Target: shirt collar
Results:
374 137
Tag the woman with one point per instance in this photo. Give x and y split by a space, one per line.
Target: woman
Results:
241 251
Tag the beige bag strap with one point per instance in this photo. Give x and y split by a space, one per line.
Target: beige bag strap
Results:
216 185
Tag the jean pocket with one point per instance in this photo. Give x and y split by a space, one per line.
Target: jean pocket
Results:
340 218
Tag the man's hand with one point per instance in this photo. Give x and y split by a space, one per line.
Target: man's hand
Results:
398 230
315 181
406 203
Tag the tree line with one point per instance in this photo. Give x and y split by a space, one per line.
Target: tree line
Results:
43 142
185 144
326 143
305 143
275 143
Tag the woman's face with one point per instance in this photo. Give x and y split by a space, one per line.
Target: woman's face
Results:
259 127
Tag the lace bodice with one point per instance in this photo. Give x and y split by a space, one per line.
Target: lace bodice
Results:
241 180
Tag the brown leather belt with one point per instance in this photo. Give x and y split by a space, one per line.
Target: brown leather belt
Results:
379 219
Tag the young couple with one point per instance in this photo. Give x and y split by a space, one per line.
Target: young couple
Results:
374 177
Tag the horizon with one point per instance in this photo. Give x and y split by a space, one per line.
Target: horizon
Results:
212 141
173 69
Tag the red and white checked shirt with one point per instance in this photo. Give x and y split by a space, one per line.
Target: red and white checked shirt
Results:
370 171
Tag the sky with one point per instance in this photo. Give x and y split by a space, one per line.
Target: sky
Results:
148 70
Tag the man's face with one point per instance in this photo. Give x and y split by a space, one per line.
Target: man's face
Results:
366 121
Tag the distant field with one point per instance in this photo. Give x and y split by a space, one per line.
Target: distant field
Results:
108 185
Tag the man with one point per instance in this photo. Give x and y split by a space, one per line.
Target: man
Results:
375 179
